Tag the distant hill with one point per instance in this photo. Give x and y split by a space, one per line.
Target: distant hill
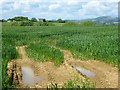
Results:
104 19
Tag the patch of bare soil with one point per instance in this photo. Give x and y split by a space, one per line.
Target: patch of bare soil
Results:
106 75
47 70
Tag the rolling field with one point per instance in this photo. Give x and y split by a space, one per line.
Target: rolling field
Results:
85 43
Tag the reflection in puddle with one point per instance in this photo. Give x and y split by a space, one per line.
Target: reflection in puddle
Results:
84 71
28 76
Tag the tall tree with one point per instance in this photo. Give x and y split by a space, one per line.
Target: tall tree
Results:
44 20
33 19
19 18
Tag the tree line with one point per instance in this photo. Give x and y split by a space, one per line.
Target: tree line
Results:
25 21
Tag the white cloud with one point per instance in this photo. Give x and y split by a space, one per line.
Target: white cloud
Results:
97 8
26 11
54 6
1 2
75 9
91 8
109 0
73 2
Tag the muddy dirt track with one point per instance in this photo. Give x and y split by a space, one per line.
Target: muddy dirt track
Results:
106 76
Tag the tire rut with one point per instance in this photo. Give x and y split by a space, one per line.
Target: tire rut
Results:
106 75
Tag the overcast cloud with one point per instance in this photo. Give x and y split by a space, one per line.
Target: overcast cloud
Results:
54 9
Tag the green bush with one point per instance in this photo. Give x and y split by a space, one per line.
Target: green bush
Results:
15 24
19 18
33 19
60 21
26 23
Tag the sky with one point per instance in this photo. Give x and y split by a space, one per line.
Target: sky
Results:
55 9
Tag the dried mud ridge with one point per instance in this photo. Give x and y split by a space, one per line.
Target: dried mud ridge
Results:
14 73
106 75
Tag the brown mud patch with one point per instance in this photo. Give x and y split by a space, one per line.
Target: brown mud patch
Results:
47 70
106 76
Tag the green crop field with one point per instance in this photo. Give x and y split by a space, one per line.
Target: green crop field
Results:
84 42
89 42
8 53
43 52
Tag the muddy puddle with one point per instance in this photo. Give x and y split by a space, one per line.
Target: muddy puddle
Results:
84 71
28 76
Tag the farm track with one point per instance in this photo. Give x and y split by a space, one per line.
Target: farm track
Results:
106 75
